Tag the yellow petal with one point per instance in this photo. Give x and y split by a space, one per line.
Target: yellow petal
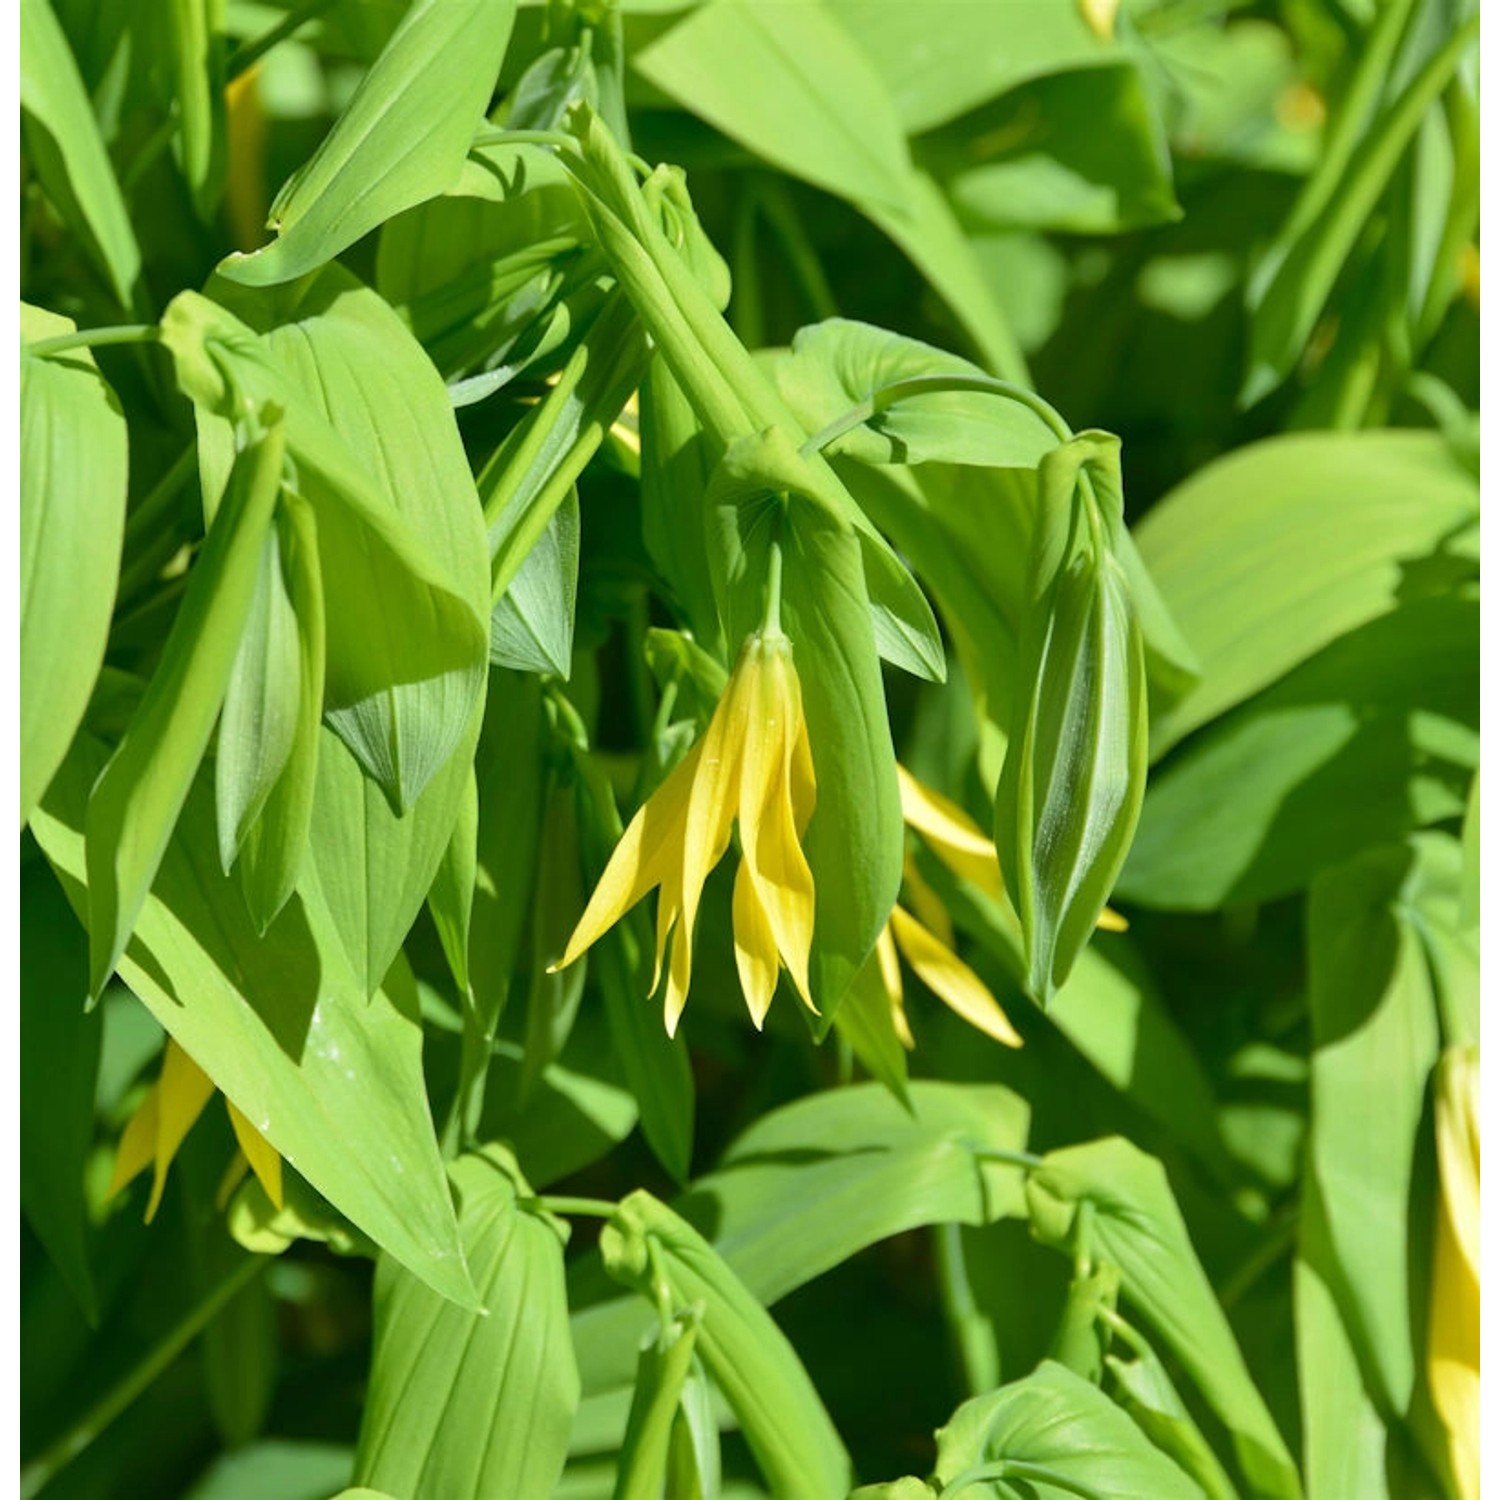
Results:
679 977
951 980
754 947
950 833
182 1091
926 903
1100 17
1453 1327
768 826
890 977
716 783
804 782
647 850
1112 921
137 1145
264 1160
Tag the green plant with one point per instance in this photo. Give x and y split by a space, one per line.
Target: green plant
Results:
1059 1032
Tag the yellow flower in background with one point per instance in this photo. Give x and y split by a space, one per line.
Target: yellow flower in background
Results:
1453 1328
753 765
160 1125
924 935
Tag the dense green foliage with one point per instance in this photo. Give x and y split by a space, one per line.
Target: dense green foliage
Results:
967 507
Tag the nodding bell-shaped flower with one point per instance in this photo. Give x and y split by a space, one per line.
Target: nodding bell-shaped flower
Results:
924 937
161 1123
753 765
1453 1327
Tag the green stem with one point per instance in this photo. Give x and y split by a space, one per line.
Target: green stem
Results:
247 54
1280 1239
587 1208
772 623
158 504
1015 1468
1002 1157
803 260
97 338
60 1454
497 135
973 1333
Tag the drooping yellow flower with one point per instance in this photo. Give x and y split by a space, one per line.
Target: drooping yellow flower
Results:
1453 1328
160 1125
924 935
753 765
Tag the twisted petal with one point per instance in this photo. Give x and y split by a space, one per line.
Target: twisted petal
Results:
137 1145
1453 1329
890 977
926 903
754 947
951 833
950 979
182 1091
259 1152
768 823
648 851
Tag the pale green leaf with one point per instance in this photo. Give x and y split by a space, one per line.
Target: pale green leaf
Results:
465 1403
133 808
73 482
400 140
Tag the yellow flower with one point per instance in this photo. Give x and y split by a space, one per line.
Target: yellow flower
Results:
160 1125
753 764
1453 1329
925 939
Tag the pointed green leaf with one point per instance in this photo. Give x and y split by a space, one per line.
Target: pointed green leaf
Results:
531 627
135 805
63 142
401 139
73 482
1054 1433
744 1352
331 1077
1137 1227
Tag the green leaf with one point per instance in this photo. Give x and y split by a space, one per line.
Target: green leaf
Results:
451 897
1288 297
58 1065
1077 153
469 1404
943 57
1271 553
745 1353
926 229
531 628
375 868
864 1021
197 50
134 807
1374 1043
274 848
1136 1226
1147 1393
1075 766
399 532
664 1366
277 1466
73 481
63 143
331 1078
815 1182
1375 735
1053 1435
401 139
836 366
797 91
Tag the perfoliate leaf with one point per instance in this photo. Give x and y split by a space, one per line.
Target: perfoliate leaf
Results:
468 1403
747 1356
